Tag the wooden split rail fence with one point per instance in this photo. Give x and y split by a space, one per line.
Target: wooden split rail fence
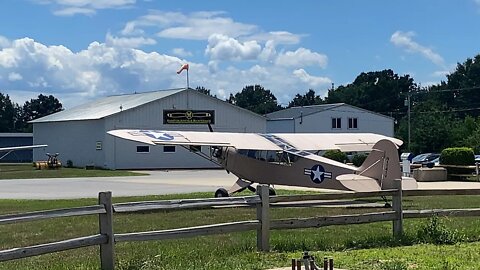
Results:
106 238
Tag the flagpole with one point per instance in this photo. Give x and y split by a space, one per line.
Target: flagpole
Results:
188 86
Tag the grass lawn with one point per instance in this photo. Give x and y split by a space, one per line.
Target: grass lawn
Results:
365 246
27 171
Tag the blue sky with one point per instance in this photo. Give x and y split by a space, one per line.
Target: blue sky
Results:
80 50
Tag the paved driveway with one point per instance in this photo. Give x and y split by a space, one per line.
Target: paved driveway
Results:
158 182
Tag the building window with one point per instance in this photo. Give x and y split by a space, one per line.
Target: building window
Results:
143 149
336 123
352 123
169 149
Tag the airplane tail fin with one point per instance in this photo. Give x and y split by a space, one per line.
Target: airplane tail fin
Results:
378 171
382 164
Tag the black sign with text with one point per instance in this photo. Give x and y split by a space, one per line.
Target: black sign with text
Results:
176 117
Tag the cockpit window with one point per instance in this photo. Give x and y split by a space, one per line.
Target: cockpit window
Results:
277 157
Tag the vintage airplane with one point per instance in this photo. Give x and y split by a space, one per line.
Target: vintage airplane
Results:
289 158
11 149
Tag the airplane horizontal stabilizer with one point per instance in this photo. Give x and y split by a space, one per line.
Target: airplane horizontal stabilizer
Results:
359 183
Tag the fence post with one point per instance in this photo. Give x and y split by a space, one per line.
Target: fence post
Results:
397 207
107 250
263 233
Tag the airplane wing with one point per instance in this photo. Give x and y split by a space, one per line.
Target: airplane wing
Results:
15 148
281 141
238 140
345 142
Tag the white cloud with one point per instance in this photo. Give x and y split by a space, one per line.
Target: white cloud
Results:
302 57
84 7
70 11
128 42
4 42
103 69
440 73
192 26
404 40
311 80
181 52
221 47
13 76
278 37
269 52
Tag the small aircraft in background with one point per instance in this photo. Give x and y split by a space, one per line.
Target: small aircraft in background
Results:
289 158
11 149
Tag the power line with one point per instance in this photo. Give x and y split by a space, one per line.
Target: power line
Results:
442 90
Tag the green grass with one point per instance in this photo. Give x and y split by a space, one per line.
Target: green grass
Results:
27 171
365 246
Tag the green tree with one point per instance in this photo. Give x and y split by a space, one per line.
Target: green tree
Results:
256 99
466 78
310 98
7 114
204 90
379 91
39 107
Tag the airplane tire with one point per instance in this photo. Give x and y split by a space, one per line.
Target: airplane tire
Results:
271 191
221 192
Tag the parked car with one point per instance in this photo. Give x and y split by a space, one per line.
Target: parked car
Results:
425 158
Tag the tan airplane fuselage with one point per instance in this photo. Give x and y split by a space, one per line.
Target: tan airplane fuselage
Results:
302 172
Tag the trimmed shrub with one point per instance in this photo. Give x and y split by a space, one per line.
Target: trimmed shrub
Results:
457 156
336 155
358 159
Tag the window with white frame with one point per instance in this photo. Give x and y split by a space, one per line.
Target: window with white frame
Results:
336 123
352 123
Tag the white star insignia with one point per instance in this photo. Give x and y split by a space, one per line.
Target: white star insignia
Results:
317 174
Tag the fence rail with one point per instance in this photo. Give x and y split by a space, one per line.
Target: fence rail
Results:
263 224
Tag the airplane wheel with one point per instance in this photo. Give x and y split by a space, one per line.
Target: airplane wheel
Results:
221 192
271 191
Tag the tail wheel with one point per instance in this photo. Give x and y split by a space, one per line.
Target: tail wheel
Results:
221 192
271 191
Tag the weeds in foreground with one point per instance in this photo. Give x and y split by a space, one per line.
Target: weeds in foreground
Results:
435 232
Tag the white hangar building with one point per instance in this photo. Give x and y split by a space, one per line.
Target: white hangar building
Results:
80 134
329 118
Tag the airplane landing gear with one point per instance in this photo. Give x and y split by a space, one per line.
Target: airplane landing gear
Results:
221 192
387 204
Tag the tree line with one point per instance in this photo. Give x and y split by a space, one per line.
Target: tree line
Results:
15 118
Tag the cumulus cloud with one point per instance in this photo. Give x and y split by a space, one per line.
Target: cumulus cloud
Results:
84 7
311 80
100 69
108 68
221 47
302 57
404 40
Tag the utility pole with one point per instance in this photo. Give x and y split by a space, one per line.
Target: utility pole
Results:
407 103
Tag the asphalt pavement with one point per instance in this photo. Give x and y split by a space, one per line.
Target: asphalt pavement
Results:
156 183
